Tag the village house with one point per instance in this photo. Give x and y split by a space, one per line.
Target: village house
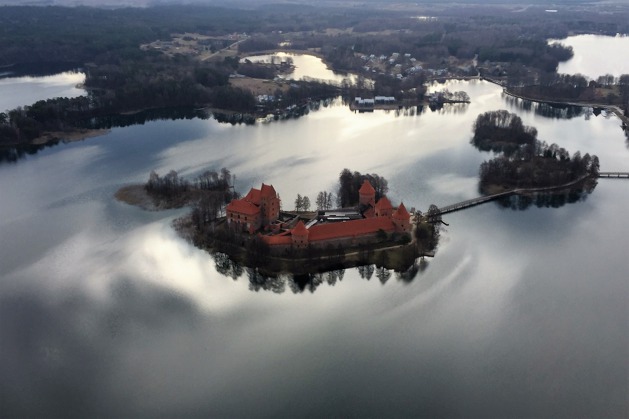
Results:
366 224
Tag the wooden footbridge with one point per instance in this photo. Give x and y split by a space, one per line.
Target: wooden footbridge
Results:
471 203
614 175
482 199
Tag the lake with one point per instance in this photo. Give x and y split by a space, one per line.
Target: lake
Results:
106 312
304 67
21 91
596 55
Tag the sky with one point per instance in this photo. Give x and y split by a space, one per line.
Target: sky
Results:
144 3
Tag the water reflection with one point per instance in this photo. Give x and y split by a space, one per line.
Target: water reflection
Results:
15 153
298 283
556 199
547 110
449 108
142 117
11 154
39 69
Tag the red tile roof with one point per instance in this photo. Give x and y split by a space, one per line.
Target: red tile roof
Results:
268 191
350 228
242 206
401 213
300 229
366 188
384 203
254 196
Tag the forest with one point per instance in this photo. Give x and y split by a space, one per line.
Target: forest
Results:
207 194
350 182
502 131
606 89
122 78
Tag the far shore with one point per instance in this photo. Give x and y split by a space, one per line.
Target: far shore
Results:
77 134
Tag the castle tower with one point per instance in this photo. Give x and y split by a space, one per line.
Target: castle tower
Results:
366 194
269 204
401 219
383 207
300 236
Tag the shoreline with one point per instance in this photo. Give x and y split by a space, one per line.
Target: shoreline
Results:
50 137
616 110
69 136
388 254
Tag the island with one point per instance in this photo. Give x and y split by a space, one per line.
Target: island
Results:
524 162
255 231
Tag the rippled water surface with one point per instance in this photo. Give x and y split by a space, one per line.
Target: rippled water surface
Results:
104 311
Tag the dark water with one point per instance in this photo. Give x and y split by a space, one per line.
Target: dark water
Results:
105 312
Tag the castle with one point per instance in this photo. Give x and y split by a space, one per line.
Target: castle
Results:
260 210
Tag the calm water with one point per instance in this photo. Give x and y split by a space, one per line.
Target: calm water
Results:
104 311
305 66
596 55
21 91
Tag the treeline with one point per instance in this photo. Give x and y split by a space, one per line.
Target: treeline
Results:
83 34
148 82
526 162
258 71
562 87
350 182
23 124
550 166
208 193
122 78
170 186
303 91
501 131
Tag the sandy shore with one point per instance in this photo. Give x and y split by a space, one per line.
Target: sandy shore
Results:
75 135
136 195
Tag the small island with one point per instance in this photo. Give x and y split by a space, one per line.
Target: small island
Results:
254 230
524 162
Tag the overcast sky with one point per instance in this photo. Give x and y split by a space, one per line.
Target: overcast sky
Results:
110 3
